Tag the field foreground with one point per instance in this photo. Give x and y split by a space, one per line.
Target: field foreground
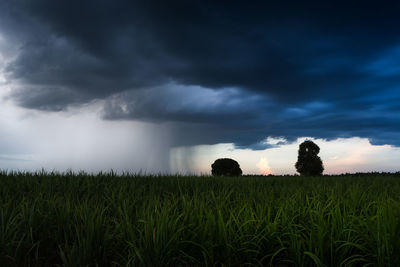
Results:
49 219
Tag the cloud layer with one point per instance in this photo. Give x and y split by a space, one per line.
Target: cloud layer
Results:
213 72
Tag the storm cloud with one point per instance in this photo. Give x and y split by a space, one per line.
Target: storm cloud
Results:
213 71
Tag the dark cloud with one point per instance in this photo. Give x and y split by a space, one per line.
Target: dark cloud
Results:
172 102
216 72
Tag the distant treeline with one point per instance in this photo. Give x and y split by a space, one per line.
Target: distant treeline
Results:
331 175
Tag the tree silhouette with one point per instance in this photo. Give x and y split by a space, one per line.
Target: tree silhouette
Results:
226 167
308 162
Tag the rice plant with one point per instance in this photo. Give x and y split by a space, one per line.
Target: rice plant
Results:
67 219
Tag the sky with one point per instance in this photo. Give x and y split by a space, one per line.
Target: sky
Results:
170 86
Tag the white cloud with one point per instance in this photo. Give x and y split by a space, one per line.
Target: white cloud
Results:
78 139
339 156
263 166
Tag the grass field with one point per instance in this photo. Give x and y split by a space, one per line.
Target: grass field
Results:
68 219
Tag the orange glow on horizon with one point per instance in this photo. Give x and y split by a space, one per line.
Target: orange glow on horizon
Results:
263 166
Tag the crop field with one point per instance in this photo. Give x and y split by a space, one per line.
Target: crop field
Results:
68 219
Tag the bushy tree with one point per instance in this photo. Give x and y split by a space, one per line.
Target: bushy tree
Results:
226 167
308 161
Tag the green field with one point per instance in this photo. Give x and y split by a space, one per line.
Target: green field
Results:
68 219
